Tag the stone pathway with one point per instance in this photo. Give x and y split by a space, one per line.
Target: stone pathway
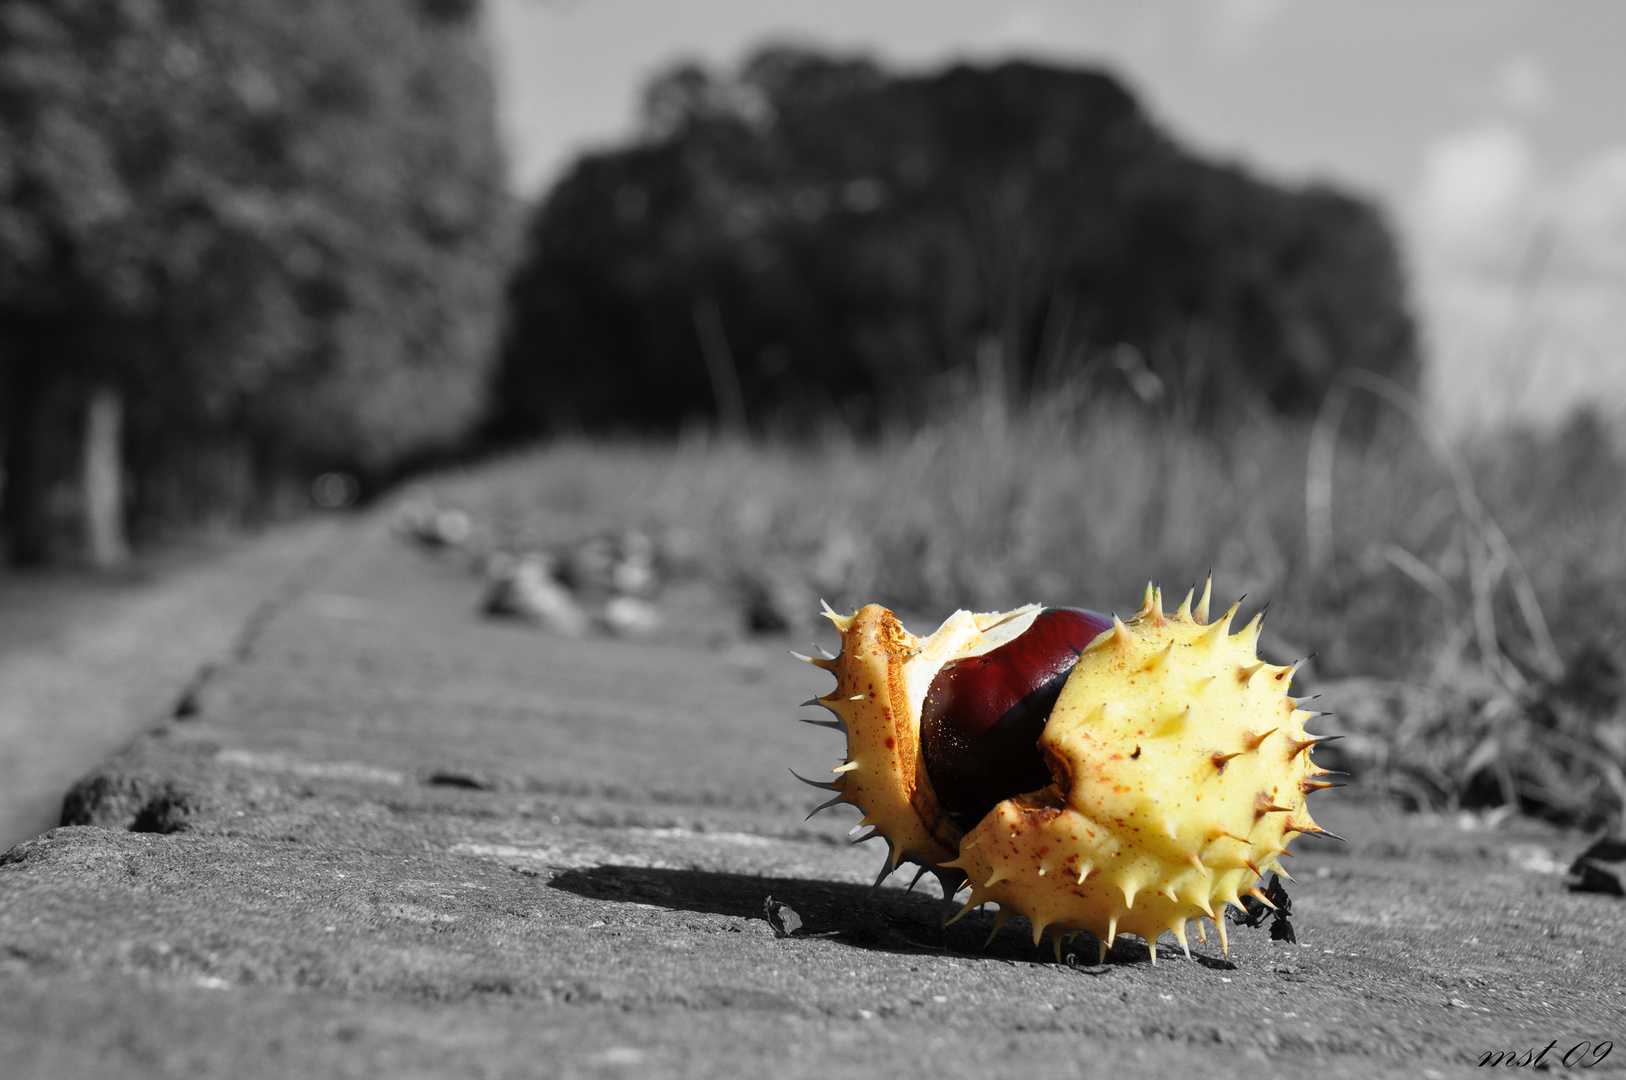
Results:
393 838
89 662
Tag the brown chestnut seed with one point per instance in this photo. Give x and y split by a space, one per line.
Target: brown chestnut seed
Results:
983 715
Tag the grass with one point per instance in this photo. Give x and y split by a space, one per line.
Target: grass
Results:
1465 602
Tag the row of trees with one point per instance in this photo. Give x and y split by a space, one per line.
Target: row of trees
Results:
238 242
814 236
241 243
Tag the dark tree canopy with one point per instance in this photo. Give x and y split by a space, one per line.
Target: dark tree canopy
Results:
832 237
270 224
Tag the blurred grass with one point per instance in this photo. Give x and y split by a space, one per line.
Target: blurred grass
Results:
1466 602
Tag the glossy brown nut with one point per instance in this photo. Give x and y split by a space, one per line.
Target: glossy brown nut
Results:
981 721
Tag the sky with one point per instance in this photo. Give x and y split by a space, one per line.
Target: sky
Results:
1491 131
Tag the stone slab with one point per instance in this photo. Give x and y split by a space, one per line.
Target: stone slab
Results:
395 838
87 663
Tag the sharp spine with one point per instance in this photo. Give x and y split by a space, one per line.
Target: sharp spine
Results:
1160 660
1120 633
1254 742
824 806
1263 805
813 783
843 623
1257 623
1174 723
1185 605
972 902
1293 669
834 725
1179 931
1218 630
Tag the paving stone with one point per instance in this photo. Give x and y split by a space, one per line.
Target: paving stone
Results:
397 838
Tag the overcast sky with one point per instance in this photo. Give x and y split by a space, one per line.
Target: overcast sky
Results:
1492 130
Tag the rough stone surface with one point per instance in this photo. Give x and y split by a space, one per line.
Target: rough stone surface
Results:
394 838
89 661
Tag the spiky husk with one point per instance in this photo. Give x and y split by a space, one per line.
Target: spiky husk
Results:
882 674
1180 769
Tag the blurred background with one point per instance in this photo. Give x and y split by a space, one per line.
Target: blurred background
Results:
933 304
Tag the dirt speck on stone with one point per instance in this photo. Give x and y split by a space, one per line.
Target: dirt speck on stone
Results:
781 917
1601 868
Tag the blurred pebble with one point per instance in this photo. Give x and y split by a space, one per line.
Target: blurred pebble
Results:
450 528
775 600
335 490
587 567
634 571
836 562
524 587
628 616
681 552
418 518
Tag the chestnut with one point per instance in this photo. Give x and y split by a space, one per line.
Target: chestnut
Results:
982 717
1185 762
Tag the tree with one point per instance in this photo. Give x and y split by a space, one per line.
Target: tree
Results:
871 241
269 227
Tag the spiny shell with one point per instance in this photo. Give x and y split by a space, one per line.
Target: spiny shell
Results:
882 674
1180 769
